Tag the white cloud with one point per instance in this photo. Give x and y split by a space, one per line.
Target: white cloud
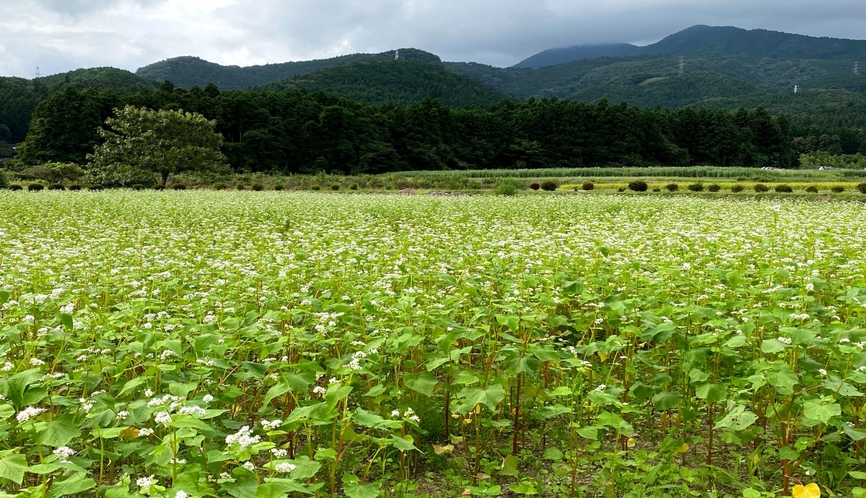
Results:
60 35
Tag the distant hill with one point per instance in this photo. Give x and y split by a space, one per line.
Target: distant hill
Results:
756 44
395 82
187 72
554 56
99 78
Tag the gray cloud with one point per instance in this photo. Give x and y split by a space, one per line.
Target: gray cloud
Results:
60 35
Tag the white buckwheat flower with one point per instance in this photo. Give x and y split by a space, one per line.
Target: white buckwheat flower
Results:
28 413
243 437
285 467
145 482
64 452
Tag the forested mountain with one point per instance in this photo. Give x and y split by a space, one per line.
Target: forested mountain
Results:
394 82
554 56
188 72
754 45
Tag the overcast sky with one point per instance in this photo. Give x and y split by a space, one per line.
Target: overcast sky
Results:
61 35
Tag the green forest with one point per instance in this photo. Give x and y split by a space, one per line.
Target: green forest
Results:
297 131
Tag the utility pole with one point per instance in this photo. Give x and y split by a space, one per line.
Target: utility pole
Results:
682 66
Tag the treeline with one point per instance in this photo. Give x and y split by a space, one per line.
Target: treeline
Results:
301 132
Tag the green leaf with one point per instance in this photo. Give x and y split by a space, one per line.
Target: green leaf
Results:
489 397
368 419
666 400
816 409
12 467
59 431
305 468
856 474
770 346
375 391
422 382
245 488
403 443
275 391
509 466
279 488
510 321
737 341
523 488
73 485
737 419
6 411
326 454
131 384
713 393
553 454
589 432
361 490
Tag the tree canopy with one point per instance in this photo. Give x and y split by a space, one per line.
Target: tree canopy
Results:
141 141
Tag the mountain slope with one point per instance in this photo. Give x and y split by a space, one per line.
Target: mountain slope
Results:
99 78
554 56
395 82
755 44
187 72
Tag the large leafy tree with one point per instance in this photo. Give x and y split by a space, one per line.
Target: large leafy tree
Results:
140 142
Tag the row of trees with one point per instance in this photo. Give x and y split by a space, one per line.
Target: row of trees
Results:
301 132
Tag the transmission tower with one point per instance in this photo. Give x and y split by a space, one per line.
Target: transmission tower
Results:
37 72
796 88
682 66
397 55
856 69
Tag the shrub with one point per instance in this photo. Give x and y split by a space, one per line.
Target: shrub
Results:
549 185
15 187
672 187
638 186
737 188
696 187
836 189
354 186
219 186
588 186
35 187
4 182
179 186
534 186
335 186
657 189
784 189
861 187
56 186
621 189
760 187
137 186
95 186
75 186
812 189
241 186
315 187
507 186
715 187
278 186
258 187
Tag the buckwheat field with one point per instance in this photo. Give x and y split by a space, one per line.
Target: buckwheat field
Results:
270 344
